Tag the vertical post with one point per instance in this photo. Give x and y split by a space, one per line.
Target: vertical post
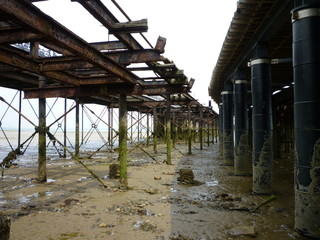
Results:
228 148
174 128
189 130
77 136
201 129
65 128
241 160
19 120
138 127
131 128
221 128
155 130
168 130
261 120
208 131
42 171
306 72
123 141
148 130
82 123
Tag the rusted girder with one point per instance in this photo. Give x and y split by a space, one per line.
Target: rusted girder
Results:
18 36
100 90
122 57
130 27
25 13
153 104
107 19
111 45
26 63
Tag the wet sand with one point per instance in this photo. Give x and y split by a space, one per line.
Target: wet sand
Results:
72 205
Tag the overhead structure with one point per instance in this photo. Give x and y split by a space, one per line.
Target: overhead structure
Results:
274 45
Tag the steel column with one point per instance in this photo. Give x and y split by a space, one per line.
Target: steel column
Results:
155 130
123 155
168 130
201 129
306 72
189 131
228 148
261 120
221 128
77 136
42 171
241 160
65 128
19 120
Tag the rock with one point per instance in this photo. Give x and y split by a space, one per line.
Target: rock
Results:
157 178
103 225
151 190
4 227
186 176
114 171
242 231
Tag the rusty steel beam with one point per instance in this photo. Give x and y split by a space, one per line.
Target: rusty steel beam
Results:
25 13
100 80
100 90
122 57
18 36
130 27
107 19
111 45
153 104
26 63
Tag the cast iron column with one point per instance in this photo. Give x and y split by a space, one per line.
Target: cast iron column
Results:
77 133
168 130
189 130
261 120
220 128
123 155
241 161
227 109
306 73
155 130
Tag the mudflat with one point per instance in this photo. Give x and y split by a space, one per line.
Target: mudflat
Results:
73 205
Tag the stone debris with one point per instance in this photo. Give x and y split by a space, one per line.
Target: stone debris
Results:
157 178
145 226
242 231
114 171
186 176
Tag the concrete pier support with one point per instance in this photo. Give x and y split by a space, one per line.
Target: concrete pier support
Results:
241 158
306 72
123 154
228 148
168 130
261 120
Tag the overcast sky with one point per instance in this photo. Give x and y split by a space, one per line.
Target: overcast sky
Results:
195 30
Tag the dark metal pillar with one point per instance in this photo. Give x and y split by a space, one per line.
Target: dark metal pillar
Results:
228 148
123 155
42 159
241 158
261 120
155 130
77 144
201 129
65 129
306 72
148 130
19 120
168 130
221 128
189 131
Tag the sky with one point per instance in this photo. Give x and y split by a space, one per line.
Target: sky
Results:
195 31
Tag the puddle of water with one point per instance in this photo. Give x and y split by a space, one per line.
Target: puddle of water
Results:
50 180
212 184
173 190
